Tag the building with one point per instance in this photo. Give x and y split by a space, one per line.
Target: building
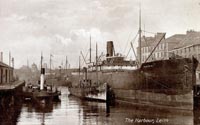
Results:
6 73
188 45
179 45
184 45
34 68
148 44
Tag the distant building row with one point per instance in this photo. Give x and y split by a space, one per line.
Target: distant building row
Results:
184 45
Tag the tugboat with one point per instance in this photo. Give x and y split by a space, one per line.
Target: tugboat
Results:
41 90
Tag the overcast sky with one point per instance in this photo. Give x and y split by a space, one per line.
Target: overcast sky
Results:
63 27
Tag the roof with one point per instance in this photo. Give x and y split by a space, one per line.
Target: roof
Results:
151 41
4 65
183 40
190 39
176 41
175 38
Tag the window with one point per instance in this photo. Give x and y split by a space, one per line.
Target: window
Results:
199 75
198 56
1 75
6 75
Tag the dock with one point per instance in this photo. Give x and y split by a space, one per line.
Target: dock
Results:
11 86
10 93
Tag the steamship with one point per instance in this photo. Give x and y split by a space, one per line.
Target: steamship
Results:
164 83
41 91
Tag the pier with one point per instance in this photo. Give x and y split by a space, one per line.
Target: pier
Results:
11 86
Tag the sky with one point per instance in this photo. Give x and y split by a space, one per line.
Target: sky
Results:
63 27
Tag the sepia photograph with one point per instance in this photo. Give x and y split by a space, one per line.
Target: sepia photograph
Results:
99 62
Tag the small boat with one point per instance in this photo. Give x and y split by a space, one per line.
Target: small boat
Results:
90 92
98 91
41 90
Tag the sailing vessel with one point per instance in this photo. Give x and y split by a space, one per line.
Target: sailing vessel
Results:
164 83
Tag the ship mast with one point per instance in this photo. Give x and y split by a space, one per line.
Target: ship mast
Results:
79 65
140 32
50 69
96 56
96 62
41 60
66 63
90 50
50 65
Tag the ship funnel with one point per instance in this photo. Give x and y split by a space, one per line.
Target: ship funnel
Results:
110 49
42 78
1 57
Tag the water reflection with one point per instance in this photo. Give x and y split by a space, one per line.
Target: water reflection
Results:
10 108
71 110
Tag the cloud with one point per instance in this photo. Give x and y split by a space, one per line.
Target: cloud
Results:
63 27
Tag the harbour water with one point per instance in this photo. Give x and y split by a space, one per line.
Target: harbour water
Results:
73 111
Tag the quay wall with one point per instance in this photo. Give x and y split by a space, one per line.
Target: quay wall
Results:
183 101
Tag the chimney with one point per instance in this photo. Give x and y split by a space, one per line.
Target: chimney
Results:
159 35
1 57
9 58
13 62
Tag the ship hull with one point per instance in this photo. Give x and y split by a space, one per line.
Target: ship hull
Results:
165 83
90 93
32 94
